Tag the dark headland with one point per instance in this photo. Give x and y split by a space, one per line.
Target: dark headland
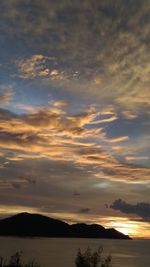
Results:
36 225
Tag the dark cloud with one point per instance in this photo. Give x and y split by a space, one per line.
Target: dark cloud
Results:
13 183
142 209
84 210
76 194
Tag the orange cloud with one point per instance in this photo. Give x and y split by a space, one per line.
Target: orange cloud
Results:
54 134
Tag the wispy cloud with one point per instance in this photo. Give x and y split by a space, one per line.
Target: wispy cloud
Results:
119 57
5 98
54 134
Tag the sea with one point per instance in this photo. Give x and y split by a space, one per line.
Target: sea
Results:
61 252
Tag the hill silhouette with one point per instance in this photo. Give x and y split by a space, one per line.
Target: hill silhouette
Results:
36 225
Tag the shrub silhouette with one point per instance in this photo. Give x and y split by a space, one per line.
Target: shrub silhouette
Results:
85 259
92 259
16 261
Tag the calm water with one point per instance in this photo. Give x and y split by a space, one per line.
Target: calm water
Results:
53 252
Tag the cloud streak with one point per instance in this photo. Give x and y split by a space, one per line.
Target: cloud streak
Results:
56 135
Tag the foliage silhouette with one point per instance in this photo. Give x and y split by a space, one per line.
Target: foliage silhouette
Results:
88 258
16 261
92 259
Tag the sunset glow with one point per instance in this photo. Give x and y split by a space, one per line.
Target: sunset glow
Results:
127 228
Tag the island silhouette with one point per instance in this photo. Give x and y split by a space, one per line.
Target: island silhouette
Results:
36 225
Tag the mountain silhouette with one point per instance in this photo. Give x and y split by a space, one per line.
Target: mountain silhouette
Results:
36 225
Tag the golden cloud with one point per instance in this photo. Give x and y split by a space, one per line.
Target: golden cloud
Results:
56 135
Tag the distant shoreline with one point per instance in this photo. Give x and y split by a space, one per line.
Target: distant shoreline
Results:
37 225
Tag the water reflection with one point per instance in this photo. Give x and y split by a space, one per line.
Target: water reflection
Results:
61 252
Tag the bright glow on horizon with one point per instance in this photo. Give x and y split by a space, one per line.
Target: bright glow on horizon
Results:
126 228
135 229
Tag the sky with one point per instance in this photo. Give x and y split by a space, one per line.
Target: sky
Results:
74 111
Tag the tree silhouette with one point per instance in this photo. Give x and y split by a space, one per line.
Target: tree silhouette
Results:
92 259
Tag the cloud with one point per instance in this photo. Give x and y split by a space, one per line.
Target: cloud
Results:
106 57
33 67
27 108
84 210
44 67
138 158
142 209
5 98
59 104
112 118
19 183
54 134
118 139
76 194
